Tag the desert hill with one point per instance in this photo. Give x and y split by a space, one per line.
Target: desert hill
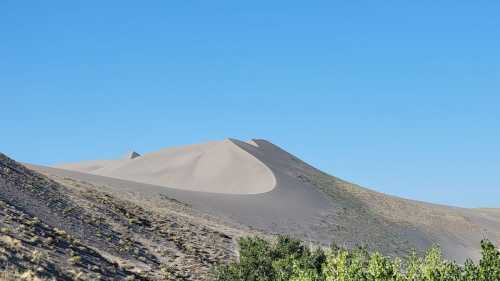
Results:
117 220
259 185
221 167
66 229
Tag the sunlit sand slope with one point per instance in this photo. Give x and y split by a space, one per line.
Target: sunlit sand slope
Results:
220 167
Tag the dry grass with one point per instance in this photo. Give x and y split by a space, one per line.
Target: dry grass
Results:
14 275
75 260
10 242
37 256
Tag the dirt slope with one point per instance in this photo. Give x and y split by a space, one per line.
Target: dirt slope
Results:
72 230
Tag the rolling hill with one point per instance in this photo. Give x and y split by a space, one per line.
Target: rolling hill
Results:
176 212
258 184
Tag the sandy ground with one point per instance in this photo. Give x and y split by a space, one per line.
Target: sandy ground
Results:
294 199
220 167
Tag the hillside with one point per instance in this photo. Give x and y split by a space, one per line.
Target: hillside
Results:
75 231
303 201
69 224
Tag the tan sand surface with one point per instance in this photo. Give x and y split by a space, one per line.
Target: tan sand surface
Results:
219 167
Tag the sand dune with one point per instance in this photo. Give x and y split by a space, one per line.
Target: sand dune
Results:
219 167
260 185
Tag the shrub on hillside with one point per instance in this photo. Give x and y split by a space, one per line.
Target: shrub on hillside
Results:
289 259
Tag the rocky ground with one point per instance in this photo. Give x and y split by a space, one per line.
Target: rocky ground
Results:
71 230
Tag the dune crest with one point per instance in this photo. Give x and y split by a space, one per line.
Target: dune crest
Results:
217 167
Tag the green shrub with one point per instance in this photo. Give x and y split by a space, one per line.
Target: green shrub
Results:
289 259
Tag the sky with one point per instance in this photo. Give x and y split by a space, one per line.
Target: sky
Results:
399 96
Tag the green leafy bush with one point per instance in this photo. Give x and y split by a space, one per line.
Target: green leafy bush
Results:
289 259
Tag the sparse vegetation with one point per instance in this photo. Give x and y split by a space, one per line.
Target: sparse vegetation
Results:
289 259
10 242
75 259
38 256
49 231
12 274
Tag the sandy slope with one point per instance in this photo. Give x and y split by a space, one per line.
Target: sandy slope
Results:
69 230
220 167
304 202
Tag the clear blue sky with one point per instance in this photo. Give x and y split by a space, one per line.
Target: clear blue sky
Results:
399 96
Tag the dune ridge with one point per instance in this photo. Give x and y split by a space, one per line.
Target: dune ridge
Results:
217 166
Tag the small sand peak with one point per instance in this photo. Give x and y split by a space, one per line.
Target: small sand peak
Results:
253 143
132 155
228 140
261 142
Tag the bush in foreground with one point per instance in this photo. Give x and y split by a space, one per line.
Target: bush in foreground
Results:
289 259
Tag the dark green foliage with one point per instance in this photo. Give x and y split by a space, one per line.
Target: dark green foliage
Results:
262 261
489 266
289 259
